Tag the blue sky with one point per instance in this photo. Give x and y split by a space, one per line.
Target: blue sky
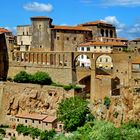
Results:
124 14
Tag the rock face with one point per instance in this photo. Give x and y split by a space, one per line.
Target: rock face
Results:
29 98
122 108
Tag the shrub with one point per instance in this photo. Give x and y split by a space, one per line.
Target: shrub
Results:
107 101
47 135
22 77
2 131
41 78
115 114
67 87
9 79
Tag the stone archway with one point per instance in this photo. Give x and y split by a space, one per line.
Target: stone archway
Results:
86 86
104 64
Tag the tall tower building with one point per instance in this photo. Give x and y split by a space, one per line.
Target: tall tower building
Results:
41 32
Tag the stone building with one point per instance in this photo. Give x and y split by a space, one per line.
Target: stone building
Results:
101 45
134 45
43 35
136 74
40 121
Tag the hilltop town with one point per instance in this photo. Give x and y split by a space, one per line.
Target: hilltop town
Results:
89 57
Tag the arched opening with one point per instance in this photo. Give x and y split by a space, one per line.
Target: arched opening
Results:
85 82
111 33
104 65
106 33
82 61
102 32
115 86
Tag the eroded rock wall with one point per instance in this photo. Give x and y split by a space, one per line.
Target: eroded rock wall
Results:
122 108
30 98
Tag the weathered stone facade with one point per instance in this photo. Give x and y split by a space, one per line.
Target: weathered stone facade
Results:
43 34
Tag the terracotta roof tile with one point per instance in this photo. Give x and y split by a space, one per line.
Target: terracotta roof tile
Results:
136 61
3 30
31 116
96 23
103 43
118 38
50 119
137 39
77 28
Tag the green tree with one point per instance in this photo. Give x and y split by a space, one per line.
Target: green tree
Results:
47 135
73 113
41 78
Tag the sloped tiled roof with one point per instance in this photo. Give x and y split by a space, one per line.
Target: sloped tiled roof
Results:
103 44
49 119
76 28
96 23
117 38
3 30
31 116
136 61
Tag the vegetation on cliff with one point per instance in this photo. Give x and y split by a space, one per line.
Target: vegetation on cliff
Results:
35 132
41 78
73 112
103 130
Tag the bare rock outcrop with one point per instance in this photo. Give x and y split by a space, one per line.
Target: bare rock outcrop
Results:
122 108
29 98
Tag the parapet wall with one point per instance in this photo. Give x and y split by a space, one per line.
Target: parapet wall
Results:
56 64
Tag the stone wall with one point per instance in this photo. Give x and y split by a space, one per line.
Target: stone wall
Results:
29 98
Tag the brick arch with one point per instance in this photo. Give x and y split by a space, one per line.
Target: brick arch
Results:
77 54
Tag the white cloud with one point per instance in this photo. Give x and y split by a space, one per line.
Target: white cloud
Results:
134 31
126 3
113 20
12 29
130 32
39 7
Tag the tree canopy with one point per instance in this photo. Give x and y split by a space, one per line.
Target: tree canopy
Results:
73 113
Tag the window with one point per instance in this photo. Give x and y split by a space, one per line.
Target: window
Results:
21 42
25 121
17 120
82 56
39 26
46 123
39 122
57 37
88 48
100 47
106 47
27 33
74 38
100 59
32 121
94 47
82 48
106 60
60 126
67 38
23 33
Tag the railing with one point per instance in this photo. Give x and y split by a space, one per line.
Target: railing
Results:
62 59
